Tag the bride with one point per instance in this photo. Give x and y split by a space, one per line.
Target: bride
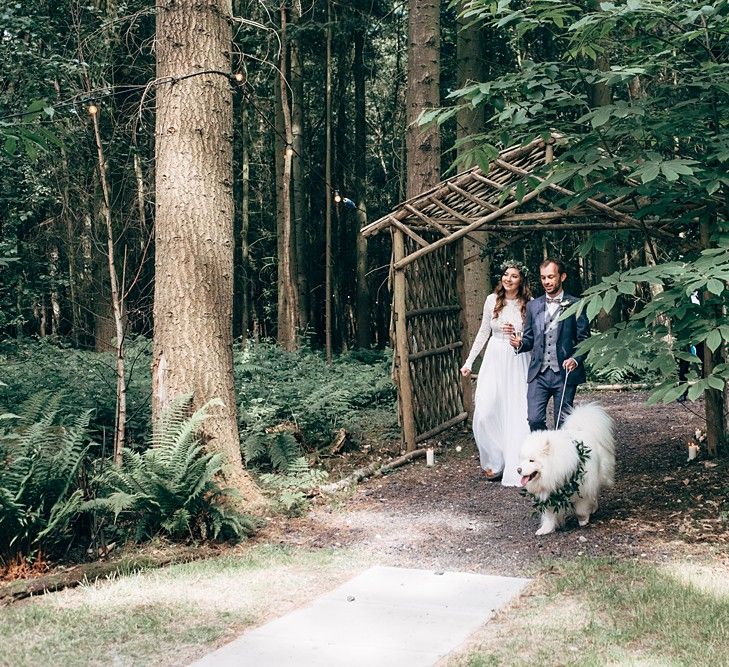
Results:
500 415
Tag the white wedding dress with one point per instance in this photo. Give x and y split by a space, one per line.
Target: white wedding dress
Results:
500 413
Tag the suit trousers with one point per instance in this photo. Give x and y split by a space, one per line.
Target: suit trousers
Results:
546 385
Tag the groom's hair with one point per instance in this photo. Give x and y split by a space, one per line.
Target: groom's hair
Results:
551 260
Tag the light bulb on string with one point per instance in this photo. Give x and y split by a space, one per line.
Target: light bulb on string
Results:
92 109
289 150
337 196
240 77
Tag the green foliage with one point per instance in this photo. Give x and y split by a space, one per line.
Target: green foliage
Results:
659 139
172 488
34 366
666 327
284 394
292 490
41 479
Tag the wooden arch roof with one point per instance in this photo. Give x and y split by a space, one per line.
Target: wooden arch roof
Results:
494 201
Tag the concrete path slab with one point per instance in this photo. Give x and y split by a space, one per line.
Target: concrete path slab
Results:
384 617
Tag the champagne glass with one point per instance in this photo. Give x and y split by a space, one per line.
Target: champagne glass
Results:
518 334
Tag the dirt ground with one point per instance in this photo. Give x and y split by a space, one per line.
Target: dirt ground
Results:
450 517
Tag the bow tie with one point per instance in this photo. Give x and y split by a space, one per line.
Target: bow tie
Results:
555 300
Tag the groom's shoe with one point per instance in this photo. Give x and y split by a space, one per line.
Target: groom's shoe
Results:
492 476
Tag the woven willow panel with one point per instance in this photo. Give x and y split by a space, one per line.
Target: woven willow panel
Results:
436 379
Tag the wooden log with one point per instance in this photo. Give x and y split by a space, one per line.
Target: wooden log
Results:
372 469
459 233
90 572
442 427
409 232
472 198
433 310
442 188
466 388
405 394
437 226
603 208
443 349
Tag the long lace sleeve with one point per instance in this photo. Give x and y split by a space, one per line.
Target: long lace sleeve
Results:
484 332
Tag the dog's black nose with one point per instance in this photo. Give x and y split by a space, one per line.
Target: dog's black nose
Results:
518 470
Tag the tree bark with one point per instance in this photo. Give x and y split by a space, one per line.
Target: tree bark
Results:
117 305
422 143
288 302
606 260
297 173
476 270
363 316
328 193
194 223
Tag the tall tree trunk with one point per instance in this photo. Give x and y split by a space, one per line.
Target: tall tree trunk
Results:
288 308
297 173
422 143
116 300
244 225
476 269
328 193
713 398
606 259
363 316
194 223
70 239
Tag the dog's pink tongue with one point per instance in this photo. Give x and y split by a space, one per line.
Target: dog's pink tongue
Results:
524 480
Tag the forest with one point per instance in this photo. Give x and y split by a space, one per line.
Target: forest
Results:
188 310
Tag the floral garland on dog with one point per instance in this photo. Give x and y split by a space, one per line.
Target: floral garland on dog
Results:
560 498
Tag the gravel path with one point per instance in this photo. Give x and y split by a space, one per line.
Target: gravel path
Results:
450 517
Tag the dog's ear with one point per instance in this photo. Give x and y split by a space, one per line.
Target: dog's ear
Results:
547 447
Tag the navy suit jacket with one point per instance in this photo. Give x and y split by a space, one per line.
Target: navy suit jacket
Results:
570 332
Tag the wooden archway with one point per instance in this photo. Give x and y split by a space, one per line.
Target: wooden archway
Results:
511 200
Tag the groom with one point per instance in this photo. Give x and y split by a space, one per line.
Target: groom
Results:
552 343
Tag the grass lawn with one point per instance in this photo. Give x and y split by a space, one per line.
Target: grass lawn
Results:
603 612
169 616
577 612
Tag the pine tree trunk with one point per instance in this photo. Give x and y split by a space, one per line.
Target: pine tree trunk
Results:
194 223
606 260
117 305
363 316
297 173
422 143
288 308
245 199
475 268
328 193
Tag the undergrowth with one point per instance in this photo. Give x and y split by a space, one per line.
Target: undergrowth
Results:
292 403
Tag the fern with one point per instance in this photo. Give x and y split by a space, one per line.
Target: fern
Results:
355 393
41 493
292 490
171 488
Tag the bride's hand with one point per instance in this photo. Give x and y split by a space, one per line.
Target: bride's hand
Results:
508 328
465 371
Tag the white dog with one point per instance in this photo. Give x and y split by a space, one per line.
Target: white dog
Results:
565 469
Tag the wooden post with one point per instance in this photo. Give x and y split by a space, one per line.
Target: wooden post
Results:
402 349
467 336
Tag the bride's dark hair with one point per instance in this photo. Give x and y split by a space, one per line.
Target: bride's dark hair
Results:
524 294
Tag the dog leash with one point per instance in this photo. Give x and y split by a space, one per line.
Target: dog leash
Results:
561 402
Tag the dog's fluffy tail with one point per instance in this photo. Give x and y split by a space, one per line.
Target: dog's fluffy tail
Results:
594 427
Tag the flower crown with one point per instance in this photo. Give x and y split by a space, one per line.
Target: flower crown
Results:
514 264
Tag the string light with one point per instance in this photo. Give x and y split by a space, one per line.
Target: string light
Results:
240 77
92 109
337 196
289 150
